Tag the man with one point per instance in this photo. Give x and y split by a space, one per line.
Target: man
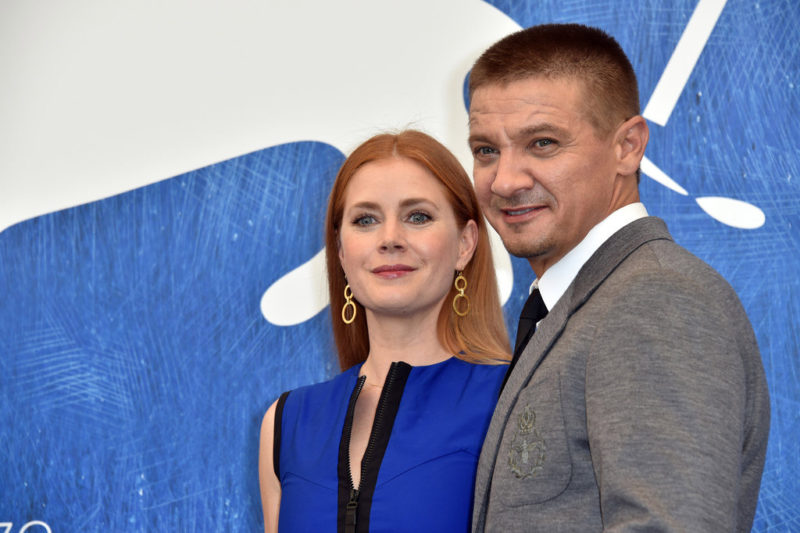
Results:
640 402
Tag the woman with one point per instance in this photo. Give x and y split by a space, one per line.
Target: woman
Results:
392 443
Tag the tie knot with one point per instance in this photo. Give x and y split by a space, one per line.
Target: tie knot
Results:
534 308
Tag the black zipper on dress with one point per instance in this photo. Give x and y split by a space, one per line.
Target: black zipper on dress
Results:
351 510
352 500
377 423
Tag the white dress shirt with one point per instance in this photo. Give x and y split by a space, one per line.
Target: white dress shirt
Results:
554 282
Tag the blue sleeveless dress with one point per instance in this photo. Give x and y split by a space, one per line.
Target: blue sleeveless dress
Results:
419 468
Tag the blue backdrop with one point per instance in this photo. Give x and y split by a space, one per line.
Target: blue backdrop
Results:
136 364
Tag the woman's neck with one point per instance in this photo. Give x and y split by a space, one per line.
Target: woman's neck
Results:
413 340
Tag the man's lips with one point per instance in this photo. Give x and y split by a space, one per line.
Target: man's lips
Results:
392 271
521 214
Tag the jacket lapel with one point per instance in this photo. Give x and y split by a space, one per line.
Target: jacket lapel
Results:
602 263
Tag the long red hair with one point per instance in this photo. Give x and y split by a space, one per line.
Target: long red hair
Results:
478 337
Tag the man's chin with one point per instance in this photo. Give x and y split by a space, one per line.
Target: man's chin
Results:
524 249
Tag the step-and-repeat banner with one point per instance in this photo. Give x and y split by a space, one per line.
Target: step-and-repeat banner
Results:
159 289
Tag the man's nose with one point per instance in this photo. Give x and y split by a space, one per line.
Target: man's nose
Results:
511 176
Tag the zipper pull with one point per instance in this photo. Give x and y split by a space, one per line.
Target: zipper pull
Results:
350 512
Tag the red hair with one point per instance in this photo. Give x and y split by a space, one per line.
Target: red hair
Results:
478 337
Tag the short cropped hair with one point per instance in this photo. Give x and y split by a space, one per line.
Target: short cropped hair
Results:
480 336
571 51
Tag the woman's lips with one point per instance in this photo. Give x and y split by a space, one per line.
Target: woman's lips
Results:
392 271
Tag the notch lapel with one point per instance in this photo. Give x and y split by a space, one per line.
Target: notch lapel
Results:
599 266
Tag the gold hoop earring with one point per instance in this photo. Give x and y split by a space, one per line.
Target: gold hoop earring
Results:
461 285
348 296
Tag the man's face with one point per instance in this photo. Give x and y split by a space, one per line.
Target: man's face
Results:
543 175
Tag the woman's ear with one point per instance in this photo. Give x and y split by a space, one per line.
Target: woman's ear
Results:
467 242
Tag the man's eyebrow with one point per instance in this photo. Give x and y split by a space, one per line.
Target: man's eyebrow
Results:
477 138
525 132
538 129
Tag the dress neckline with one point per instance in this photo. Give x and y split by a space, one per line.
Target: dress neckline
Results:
417 368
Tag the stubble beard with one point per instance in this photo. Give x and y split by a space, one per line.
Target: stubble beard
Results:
526 249
519 239
520 243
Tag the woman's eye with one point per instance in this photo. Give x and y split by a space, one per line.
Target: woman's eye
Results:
418 217
364 220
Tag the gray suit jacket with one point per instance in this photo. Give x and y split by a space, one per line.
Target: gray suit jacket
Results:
639 404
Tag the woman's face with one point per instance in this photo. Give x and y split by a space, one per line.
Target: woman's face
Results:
399 243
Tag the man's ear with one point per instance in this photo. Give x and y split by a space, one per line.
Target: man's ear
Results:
631 140
467 242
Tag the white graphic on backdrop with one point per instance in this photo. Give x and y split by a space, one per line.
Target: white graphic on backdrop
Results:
78 134
215 80
309 279
93 153
306 284
732 212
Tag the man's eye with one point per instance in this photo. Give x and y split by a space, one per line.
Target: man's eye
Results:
542 143
483 151
418 217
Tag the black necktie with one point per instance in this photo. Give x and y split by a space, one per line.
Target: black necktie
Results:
532 312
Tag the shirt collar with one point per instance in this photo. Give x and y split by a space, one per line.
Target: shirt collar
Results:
554 282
